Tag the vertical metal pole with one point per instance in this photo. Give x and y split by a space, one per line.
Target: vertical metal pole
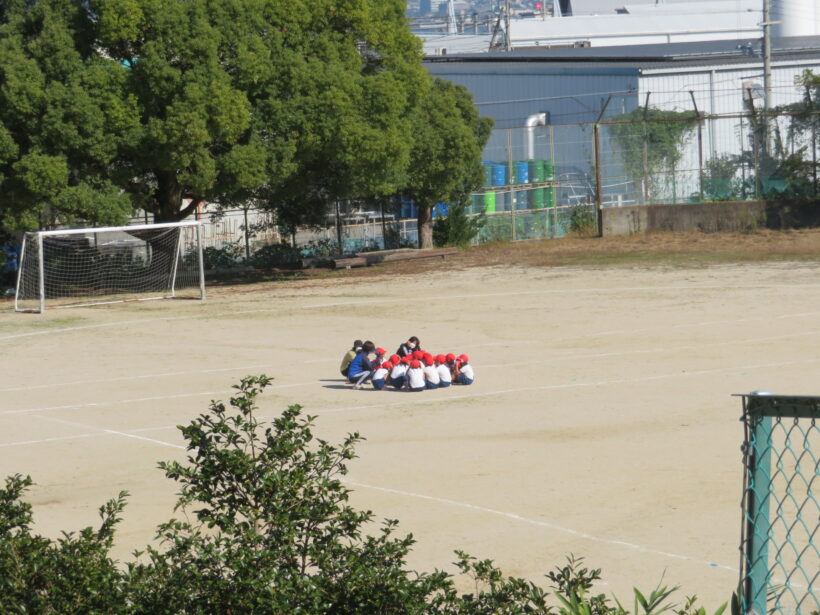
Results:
596 147
645 153
552 212
201 259
42 272
507 38
20 271
700 143
177 249
757 514
510 182
384 226
339 228
247 237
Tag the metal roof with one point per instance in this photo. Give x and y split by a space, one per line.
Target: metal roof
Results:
670 55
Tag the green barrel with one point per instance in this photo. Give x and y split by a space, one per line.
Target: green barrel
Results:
550 197
537 171
536 198
489 202
549 170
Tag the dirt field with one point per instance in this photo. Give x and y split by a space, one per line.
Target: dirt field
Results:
601 422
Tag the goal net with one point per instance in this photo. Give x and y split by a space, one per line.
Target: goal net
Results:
108 265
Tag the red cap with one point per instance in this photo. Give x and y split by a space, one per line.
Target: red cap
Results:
395 359
451 357
418 354
387 365
415 364
441 358
428 359
406 359
427 354
464 358
381 351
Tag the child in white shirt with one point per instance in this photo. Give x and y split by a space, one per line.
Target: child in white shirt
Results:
380 375
463 370
431 373
444 374
398 375
415 376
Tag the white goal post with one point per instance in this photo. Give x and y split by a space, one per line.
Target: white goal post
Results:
93 266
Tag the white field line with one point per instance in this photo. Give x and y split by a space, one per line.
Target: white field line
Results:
119 402
556 291
543 524
418 400
428 498
144 439
127 378
497 344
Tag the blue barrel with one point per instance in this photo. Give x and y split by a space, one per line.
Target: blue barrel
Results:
499 175
522 172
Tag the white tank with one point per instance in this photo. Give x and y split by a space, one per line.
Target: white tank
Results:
796 17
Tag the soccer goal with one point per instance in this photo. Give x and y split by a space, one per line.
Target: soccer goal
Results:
93 266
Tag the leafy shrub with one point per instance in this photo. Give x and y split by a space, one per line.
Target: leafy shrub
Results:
583 220
229 255
267 527
276 255
457 228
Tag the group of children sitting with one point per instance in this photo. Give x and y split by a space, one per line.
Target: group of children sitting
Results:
409 368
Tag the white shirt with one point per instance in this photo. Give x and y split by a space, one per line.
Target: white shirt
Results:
398 371
416 377
431 374
444 373
380 374
467 370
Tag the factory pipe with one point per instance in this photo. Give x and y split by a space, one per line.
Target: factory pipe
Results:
539 119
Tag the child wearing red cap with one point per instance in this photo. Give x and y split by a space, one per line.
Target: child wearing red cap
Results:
381 375
380 352
415 376
398 375
444 374
431 376
463 373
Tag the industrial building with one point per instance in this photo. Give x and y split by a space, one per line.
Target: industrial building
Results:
545 100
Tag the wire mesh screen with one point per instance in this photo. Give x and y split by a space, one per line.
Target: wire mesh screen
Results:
93 266
780 571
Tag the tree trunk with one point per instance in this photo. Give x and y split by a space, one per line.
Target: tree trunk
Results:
168 199
425 224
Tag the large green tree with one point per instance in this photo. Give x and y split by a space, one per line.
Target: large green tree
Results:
445 163
288 104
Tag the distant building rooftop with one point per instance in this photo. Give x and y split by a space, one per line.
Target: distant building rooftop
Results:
647 56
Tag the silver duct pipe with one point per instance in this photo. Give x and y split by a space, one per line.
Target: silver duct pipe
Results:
539 119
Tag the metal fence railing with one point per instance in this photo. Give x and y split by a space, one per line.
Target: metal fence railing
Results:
542 181
780 544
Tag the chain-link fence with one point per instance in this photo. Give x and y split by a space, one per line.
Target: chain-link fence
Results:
545 181
780 545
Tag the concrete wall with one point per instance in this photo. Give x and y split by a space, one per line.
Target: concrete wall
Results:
705 217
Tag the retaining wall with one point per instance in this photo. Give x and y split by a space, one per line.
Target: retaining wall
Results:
706 217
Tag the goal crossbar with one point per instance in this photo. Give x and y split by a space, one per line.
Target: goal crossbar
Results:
112 264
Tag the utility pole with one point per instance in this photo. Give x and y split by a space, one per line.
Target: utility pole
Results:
767 56
508 42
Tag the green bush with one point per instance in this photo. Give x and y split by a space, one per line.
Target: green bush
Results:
583 220
266 527
229 255
457 228
276 255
